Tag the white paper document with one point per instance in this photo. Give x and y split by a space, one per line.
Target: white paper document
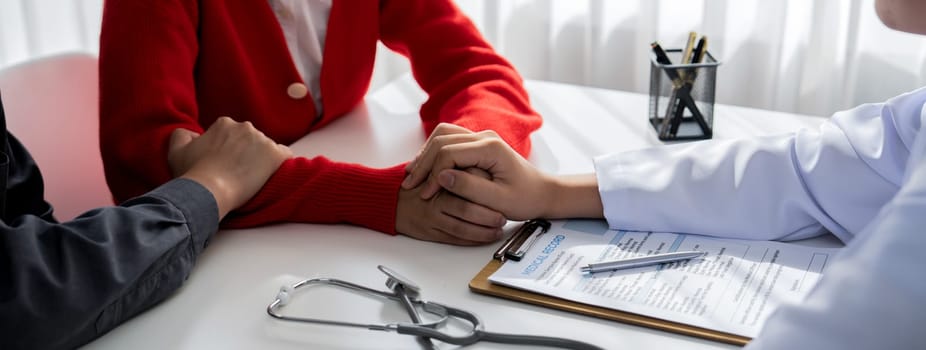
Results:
733 288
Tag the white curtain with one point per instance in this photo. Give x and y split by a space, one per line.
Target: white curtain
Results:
812 57
35 28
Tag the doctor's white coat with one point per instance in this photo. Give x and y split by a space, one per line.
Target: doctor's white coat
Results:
861 176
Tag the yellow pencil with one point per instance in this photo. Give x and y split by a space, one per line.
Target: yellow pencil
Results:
686 55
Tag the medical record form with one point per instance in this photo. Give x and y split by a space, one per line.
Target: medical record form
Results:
733 288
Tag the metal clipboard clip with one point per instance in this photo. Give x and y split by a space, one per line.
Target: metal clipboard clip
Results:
522 240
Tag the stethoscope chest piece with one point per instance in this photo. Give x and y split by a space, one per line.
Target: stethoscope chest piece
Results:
396 280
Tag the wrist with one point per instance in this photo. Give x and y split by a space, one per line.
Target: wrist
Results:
573 196
220 188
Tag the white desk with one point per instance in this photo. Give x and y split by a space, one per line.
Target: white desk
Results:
222 304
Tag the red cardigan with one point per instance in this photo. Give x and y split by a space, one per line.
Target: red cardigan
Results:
183 63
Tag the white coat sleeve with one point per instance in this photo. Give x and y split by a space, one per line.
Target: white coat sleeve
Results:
784 187
872 296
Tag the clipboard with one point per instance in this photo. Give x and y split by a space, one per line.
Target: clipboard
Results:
526 234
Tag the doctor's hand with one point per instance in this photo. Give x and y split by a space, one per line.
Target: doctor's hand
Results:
515 188
232 160
444 134
447 218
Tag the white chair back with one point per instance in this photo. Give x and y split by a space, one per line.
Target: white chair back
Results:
52 106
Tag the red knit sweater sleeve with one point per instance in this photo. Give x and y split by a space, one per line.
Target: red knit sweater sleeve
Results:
145 93
467 82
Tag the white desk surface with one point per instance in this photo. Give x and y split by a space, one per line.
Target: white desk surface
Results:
222 304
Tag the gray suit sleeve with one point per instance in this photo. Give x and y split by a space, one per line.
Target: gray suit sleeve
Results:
62 285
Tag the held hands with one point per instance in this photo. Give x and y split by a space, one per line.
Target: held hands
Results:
515 188
232 160
445 217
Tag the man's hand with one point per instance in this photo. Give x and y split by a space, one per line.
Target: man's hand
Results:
232 160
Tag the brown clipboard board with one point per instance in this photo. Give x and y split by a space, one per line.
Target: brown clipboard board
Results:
481 284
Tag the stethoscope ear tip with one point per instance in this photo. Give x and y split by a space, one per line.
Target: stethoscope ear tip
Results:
285 294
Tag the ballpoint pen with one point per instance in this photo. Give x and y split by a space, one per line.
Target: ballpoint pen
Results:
698 55
640 261
674 106
663 59
676 82
687 53
688 79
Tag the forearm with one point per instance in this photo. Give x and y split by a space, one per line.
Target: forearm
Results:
468 83
746 189
69 283
148 51
778 187
318 190
513 121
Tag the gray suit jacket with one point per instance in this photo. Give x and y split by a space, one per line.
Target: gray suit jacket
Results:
65 284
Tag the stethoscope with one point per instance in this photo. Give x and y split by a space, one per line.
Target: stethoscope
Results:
407 293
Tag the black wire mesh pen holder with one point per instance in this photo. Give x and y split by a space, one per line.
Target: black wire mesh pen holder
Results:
682 109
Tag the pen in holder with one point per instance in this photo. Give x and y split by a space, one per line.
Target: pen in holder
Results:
681 96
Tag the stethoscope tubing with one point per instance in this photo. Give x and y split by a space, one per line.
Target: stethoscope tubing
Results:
427 330
478 334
